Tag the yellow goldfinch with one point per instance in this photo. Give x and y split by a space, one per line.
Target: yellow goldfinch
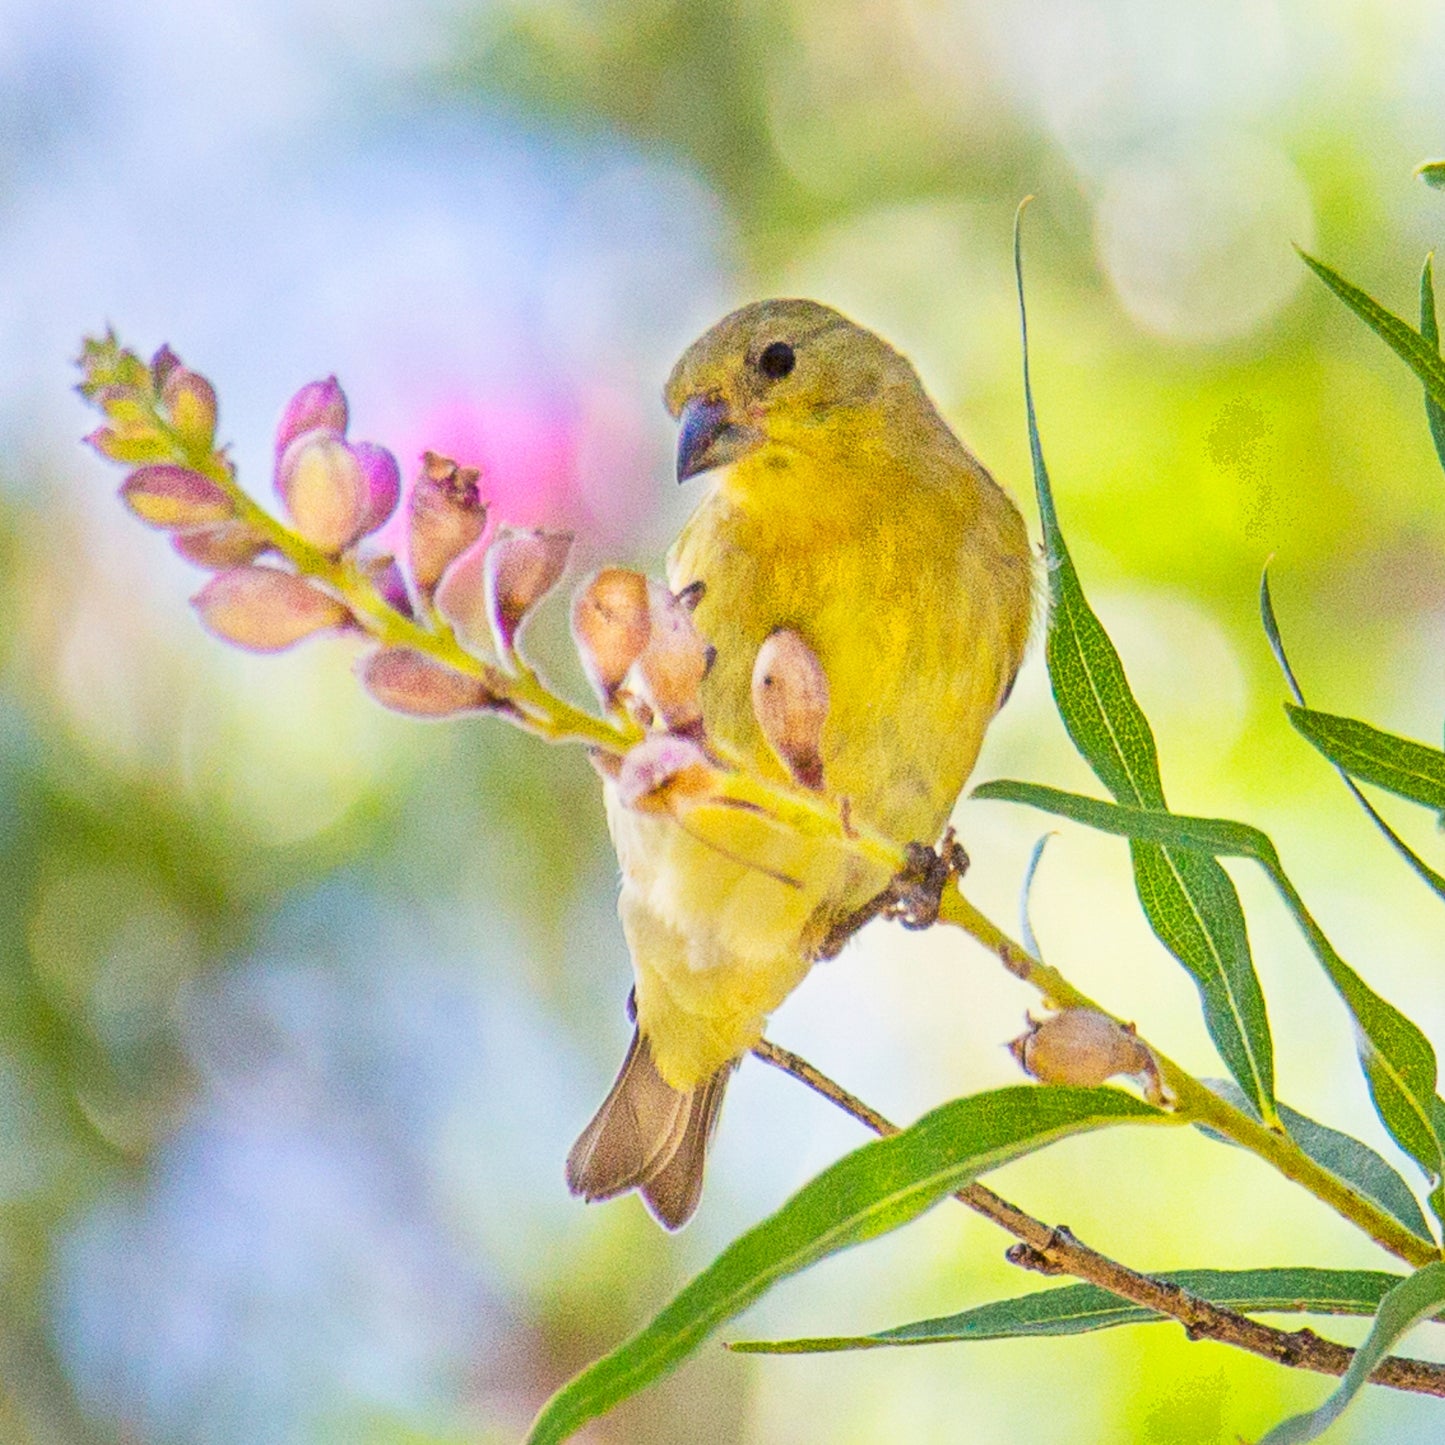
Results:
843 508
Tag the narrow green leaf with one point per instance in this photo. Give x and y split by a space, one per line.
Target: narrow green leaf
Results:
1408 344
1189 900
1346 1157
1407 768
1193 907
1432 173
869 1192
1415 1298
1397 1058
1430 330
1082 1308
1026 926
1276 643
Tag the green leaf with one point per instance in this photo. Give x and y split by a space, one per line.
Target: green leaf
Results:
1414 350
1082 1308
1026 925
1276 643
1430 330
1415 1298
1398 1060
1407 768
1189 900
877 1188
1343 1155
1432 173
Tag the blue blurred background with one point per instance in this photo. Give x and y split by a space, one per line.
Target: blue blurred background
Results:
304 1003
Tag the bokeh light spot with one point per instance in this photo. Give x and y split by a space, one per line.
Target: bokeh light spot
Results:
1193 239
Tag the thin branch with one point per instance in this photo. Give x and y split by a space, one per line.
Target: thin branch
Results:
1056 1251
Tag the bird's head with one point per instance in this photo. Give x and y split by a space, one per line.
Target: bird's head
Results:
778 375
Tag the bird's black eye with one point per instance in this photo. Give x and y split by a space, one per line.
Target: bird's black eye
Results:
777 360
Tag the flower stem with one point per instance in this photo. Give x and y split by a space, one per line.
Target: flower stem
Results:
542 712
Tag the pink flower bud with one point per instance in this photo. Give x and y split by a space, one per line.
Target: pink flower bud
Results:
163 363
409 682
1082 1046
325 490
447 516
265 609
521 568
383 483
171 496
123 404
610 625
668 673
220 545
191 401
318 406
790 702
131 444
386 577
105 364
663 773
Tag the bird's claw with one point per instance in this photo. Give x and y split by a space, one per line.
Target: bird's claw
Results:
917 892
912 898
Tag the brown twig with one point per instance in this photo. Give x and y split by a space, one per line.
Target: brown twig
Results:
1056 1251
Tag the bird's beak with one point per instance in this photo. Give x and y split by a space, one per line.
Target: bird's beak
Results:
710 437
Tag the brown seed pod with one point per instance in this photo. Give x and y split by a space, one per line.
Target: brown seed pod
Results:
790 701
610 625
1082 1046
663 773
265 609
446 516
521 568
668 673
220 545
406 681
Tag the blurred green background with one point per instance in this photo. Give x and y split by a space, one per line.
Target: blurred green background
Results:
303 1003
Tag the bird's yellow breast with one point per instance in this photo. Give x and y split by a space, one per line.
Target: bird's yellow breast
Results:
910 579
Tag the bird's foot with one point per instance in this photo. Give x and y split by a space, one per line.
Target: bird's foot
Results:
917 892
912 898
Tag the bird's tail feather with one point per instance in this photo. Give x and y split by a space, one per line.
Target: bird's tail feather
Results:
650 1137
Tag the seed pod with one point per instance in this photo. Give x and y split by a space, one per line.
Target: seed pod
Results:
383 483
611 625
318 406
446 517
171 497
264 609
1082 1046
163 363
325 490
663 773
790 701
220 545
387 578
406 681
669 671
191 402
520 569
461 597
124 402
131 444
